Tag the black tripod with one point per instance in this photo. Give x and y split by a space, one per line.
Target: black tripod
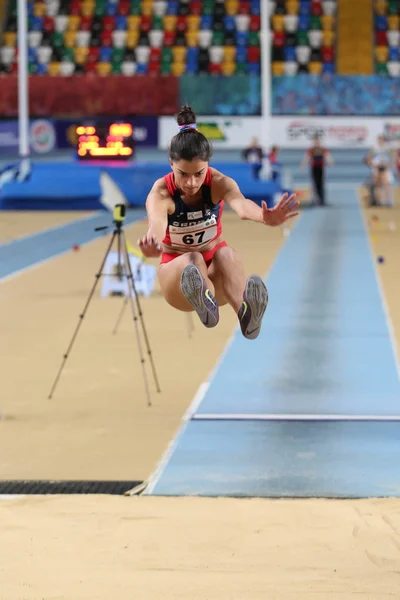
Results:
124 269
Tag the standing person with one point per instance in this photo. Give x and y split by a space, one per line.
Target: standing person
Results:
317 157
254 155
198 270
381 161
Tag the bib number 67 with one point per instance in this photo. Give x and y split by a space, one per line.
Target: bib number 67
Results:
190 238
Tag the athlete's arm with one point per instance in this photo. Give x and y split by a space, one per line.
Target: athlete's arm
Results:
250 211
157 204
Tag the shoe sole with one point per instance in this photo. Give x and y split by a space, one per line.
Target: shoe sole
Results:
256 295
193 288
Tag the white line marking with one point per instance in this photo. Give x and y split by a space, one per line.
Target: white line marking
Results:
290 417
380 289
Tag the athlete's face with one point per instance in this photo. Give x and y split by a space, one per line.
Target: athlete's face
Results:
189 175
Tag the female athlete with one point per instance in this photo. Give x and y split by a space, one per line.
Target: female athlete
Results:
198 270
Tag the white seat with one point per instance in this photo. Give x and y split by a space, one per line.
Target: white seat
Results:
34 38
291 23
67 68
216 54
329 7
303 54
242 22
53 7
393 38
119 39
44 54
315 38
142 54
290 68
83 39
156 38
7 55
393 68
61 22
205 36
160 8
128 68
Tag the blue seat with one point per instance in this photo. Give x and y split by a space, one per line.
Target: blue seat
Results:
121 23
111 9
206 22
229 23
192 55
304 8
255 7
394 55
141 69
105 54
304 23
30 7
241 54
253 68
172 7
290 54
191 69
42 69
381 23
241 38
36 24
32 55
328 67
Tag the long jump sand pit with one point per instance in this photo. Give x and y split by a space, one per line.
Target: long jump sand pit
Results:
108 547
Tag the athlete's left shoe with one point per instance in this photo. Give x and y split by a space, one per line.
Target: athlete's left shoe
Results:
255 301
195 290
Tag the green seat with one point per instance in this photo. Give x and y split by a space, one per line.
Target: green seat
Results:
165 68
254 38
381 68
68 54
99 9
32 68
136 8
218 38
208 7
158 23
116 67
315 22
166 56
57 40
117 55
393 7
302 38
241 69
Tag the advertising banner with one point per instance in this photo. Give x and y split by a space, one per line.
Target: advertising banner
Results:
42 136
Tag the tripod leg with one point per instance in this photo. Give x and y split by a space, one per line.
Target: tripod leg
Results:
132 280
190 324
120 315
81 316
139 341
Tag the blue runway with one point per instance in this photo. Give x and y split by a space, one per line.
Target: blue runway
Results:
312 408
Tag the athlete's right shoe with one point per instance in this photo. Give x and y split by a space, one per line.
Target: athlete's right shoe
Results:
196 292
255 301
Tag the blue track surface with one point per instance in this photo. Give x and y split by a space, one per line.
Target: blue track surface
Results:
312 407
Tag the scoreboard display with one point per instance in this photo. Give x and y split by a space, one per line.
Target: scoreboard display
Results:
108 141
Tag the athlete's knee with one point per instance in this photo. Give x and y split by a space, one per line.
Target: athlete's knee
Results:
195 258
225 254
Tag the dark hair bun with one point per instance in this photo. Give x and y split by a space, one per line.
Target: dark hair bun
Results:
186 116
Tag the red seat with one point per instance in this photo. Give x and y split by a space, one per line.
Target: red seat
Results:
145 23
154 68
124 8
155 54
181 23
48 24
195 7
327 53
86 23
93 53
381 38
90 67
74 8
169 38
214 69
255 23
279 39
244 8
106 38
316 8
108 23
253 54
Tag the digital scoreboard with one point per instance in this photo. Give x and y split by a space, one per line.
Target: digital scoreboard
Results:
108 141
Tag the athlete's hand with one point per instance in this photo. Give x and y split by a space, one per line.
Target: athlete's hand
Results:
284 210
149 246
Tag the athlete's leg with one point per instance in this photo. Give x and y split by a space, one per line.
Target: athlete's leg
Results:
186 286
249 298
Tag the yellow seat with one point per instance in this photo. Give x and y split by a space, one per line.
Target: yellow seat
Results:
80 55
69 39
87 9
328 38
10 39
179 54
382 53
103 68
327 22
277 68
193 22
231 7
133 22
178 68
53 68
292 7
315 68
228 68
39 9
229 53
73 22
132 39
393 22
192 39
169 23
147 8
278 22
381 7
